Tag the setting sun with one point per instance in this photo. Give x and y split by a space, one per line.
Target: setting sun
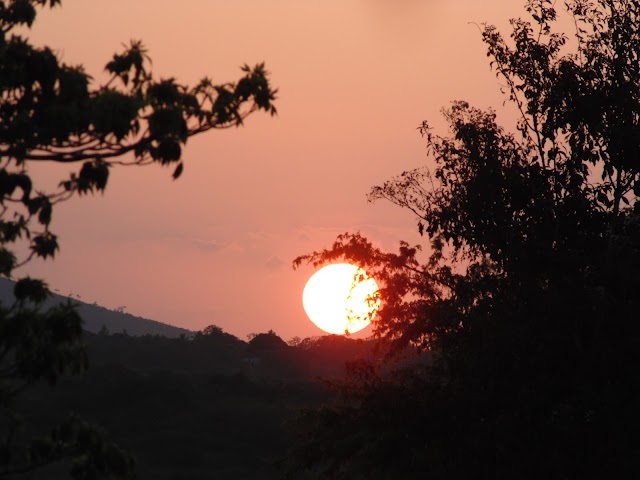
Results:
341 298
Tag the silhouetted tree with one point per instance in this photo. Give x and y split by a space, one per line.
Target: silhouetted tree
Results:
265 343
212 330
528 300
52 112
104 331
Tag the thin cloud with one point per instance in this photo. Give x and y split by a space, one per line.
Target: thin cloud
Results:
275 263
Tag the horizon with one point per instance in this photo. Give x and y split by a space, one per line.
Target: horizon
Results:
215 247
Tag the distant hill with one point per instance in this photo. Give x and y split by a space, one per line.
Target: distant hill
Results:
194 406
95 317
189 407
206 406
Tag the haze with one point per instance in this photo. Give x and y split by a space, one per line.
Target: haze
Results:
355 79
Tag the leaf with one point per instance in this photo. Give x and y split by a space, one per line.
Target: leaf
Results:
22 11
602 198
93 175
178 171
44 217
45 245
31 289
24 182
11 231
168 122
168 151
7 262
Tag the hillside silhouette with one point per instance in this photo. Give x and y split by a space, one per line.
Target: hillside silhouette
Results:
200 406
95 316
188 405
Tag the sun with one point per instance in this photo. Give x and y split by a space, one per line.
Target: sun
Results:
341 298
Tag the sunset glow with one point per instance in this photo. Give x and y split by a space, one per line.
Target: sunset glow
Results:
355 79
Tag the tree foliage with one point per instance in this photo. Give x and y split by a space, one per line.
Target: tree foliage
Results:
54 112
528 299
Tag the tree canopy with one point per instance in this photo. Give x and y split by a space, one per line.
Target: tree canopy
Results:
528 297
54 112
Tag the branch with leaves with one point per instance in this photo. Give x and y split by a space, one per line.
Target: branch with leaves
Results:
50 112
53 112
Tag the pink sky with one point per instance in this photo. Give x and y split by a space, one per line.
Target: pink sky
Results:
356 78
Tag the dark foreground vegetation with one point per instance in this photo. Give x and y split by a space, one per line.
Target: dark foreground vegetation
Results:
211 406
51 111
529 296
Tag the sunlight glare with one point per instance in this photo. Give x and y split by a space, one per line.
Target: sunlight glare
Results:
341 298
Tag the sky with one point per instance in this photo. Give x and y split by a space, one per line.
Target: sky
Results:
355 77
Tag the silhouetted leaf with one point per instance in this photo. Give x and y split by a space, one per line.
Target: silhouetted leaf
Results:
7 262
45 245
30 289
178 171
93 176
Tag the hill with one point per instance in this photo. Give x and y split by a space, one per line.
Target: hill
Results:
190 405
206 406
95 316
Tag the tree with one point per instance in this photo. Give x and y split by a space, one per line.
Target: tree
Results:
528 300
53 112
266 343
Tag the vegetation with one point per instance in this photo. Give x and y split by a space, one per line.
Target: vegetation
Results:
52 112
528 300
525 309
192 408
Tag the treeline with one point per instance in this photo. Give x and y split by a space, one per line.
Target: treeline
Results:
210 405
212 350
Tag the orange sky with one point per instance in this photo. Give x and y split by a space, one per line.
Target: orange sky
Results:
356 78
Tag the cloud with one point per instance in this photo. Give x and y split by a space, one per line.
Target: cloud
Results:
385 237
259 235
207 245
275 263
216 246
303 237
